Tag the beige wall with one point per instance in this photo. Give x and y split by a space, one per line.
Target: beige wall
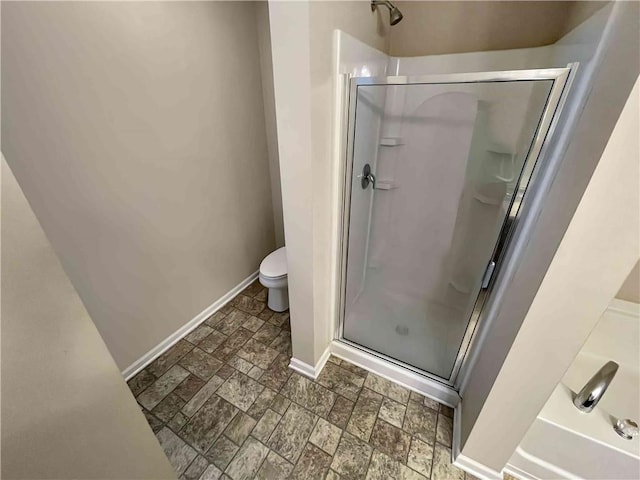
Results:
430 28
290 53
137 133
266 71
304 103
580 11
302 47
356 19
66 411
630 290
571 298
551 298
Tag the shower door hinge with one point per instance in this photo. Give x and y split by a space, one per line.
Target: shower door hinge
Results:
488 273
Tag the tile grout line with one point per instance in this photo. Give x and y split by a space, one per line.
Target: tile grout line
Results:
270 435
159 376
433 452
156 377
293 399
315 423
257 440
345 428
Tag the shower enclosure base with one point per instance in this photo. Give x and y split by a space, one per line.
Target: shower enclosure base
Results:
416 265
390 370
391 318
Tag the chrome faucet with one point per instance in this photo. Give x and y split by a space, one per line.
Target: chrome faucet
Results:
594 389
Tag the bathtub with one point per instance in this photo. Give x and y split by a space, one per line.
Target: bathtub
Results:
565 443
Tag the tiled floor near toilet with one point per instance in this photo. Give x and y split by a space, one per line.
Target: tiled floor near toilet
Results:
224 404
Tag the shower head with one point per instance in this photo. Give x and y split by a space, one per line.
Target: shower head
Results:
395 15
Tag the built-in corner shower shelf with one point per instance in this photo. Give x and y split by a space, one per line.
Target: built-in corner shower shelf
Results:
504 158
436 300
386 184
500 151
499 148
459 287
391 141
486 199
503 178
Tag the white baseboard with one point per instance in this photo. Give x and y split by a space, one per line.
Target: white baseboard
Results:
407 378
455 442
476 469
172 339
465 463
525 466
515 472
624 306
310 371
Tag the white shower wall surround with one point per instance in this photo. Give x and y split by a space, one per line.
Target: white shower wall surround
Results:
411 231
439 205
357 59
418 262
418 246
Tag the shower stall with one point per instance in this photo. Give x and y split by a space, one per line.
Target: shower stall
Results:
437 167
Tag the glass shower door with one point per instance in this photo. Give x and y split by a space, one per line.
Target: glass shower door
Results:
436 169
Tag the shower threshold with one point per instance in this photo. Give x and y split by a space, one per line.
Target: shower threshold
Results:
391 369
411 329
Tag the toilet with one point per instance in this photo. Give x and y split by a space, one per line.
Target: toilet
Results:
273 275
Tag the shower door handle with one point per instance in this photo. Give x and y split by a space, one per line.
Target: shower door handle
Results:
488 273
367 177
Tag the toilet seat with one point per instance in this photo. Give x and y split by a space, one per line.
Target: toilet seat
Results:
273 275
274 266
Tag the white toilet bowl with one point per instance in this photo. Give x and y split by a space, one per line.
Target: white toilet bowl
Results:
273 275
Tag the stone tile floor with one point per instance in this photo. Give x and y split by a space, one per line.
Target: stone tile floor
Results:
224 404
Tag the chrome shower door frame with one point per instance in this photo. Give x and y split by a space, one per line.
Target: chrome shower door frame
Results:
561 80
